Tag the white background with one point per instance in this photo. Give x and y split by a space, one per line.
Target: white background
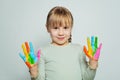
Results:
24 20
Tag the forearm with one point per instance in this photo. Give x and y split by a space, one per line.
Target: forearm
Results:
88 73
88 68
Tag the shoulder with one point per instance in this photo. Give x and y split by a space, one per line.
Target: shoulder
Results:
75 45
45 47
79 48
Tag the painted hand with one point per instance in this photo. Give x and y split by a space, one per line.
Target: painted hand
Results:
93 51
29 57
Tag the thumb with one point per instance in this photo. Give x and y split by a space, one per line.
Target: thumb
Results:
86 52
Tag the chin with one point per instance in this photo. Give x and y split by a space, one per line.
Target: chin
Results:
62 43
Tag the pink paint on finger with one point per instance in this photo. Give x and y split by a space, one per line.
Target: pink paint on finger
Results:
97 54
38 54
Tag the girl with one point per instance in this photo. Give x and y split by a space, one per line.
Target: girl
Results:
61 59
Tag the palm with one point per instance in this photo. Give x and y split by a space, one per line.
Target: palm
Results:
29 57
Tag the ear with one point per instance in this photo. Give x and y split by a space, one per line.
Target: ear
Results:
47 28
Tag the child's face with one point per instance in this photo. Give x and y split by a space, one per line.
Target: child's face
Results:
60 35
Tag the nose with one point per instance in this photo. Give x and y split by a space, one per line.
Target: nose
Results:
61 32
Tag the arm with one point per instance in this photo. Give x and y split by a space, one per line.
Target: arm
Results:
93 53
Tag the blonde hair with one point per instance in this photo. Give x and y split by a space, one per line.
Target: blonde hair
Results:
59 16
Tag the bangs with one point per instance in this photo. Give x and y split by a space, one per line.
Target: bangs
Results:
60 20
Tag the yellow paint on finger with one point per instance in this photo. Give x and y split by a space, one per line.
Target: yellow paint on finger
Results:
90 51
25 51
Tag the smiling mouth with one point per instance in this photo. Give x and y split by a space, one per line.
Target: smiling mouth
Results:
61 38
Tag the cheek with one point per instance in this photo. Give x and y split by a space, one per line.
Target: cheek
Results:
68 32
53 33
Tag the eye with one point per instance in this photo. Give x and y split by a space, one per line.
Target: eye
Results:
55 27
66 27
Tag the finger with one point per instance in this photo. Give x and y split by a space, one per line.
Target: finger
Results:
89 46
97 54
31 47
86 52
24 59
85 49
35 59
27 47
93 45
38 54
100 46
25 51
28 64
22 56
96 42
32 55
88 43
92 42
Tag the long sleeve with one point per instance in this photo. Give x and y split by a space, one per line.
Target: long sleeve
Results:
87 73
64 63
41 69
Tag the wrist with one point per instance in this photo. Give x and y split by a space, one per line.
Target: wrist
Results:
33 74
34 71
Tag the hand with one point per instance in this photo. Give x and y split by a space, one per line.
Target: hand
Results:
93 51
29 57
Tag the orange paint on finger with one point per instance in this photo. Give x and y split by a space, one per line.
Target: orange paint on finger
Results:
86 52
27 47
28 64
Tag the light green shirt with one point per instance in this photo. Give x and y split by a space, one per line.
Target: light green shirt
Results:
64 63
